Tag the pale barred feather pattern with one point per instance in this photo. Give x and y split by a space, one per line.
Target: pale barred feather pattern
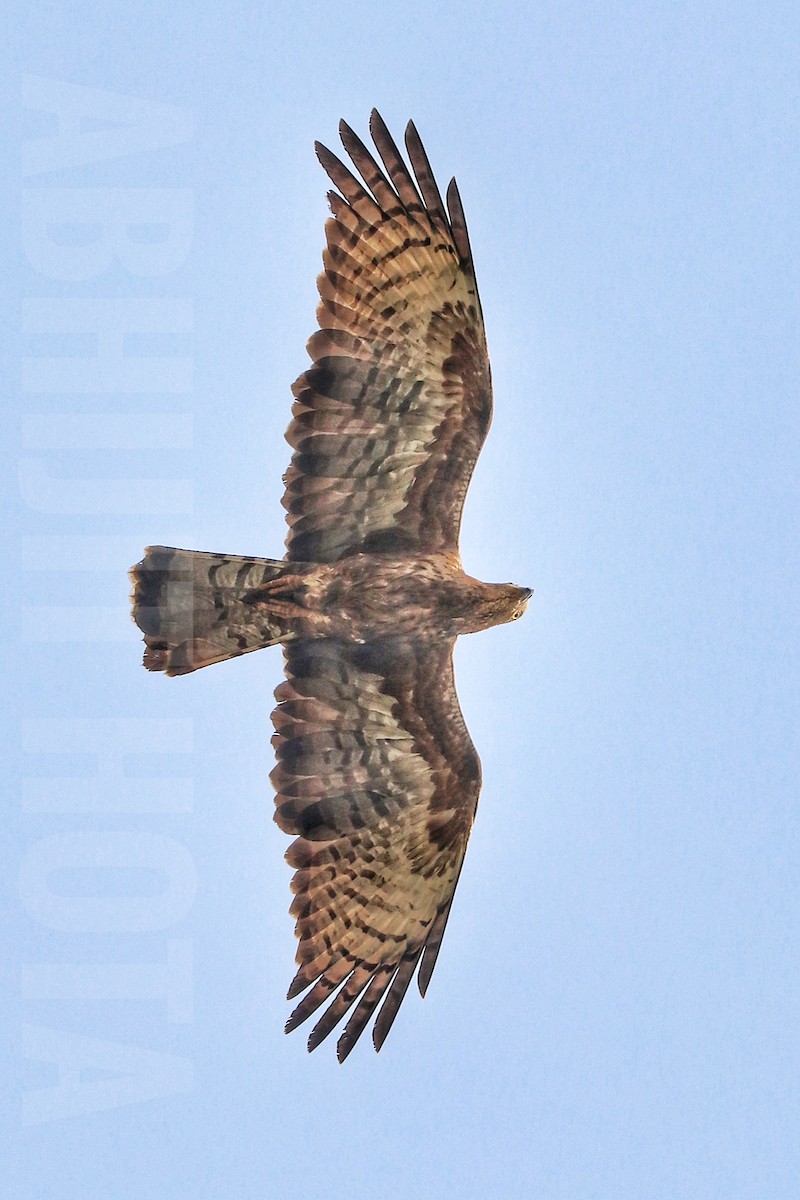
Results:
379 779
391 416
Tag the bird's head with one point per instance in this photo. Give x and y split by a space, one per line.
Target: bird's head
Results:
496 604
517 600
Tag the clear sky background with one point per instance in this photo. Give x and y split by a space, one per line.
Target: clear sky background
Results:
614 1013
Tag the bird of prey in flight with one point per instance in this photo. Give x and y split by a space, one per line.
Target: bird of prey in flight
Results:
377 778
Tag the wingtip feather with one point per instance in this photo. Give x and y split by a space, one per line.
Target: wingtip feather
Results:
458 221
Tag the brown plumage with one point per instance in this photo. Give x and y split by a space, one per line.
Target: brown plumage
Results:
377 778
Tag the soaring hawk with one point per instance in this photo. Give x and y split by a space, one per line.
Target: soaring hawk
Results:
377 777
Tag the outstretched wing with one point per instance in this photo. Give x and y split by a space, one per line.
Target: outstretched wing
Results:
379 779
391 416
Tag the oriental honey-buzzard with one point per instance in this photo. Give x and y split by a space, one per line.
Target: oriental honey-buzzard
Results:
377 778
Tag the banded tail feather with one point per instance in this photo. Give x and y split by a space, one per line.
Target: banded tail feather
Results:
195 609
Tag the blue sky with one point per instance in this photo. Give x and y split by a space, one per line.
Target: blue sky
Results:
614 1012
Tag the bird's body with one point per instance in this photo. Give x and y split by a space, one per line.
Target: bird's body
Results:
371 596
377 777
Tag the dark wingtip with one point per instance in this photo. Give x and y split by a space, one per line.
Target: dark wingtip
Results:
350 139
322 152
343 1047
458 221
316 1037
298 985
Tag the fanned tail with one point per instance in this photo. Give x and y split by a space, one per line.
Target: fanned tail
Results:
195 609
